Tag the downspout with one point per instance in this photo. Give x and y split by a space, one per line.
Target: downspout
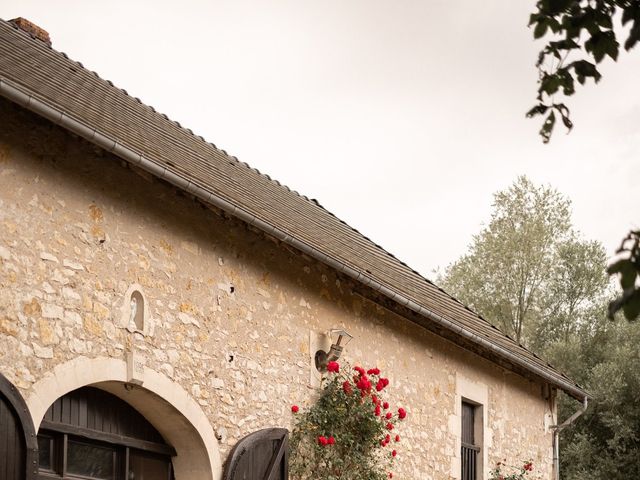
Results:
24 98
556 436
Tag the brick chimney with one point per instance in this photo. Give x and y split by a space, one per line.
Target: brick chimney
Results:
32 29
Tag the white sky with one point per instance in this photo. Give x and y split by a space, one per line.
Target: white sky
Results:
401 117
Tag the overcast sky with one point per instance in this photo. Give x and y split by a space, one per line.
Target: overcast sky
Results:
401 117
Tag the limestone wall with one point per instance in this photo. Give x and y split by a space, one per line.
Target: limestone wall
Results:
229 312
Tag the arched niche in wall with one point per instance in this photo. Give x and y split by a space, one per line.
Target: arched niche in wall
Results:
18 446
135 312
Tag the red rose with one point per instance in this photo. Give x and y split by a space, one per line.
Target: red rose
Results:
528 466
346 387
331 440
385 405
389 426
383 382
402 413
364 384
388 415
394 453
374 399
390 475
373 371
397 438
294 408
360 370
323 441
382 444
387 439
333 367
377 411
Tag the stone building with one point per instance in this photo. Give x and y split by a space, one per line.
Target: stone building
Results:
160 300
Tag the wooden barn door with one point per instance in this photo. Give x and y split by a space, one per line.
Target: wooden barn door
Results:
263 455
17 437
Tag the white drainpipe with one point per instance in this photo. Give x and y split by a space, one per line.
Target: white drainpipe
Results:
556 437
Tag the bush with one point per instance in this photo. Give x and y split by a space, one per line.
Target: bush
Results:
349 432
517 473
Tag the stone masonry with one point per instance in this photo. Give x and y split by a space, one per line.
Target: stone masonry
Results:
230 310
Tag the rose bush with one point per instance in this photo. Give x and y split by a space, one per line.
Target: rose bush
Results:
517 473
345 434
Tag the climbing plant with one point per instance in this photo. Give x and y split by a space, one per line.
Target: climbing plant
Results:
349 432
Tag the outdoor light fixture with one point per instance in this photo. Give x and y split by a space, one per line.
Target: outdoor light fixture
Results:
322 357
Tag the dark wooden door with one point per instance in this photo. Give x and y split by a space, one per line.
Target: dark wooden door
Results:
263 455
13 453
18 446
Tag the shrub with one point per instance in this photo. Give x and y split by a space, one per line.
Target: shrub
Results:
349 432
517 473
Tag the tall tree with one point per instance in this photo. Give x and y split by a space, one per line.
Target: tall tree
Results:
526 271
574 294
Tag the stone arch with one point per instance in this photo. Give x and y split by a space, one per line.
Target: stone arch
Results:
165 404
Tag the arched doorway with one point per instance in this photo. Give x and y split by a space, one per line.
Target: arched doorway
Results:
17 435
91 434
163 403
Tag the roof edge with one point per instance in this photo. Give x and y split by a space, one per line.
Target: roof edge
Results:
27 100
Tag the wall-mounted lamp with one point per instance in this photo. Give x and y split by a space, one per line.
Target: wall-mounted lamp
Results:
322 357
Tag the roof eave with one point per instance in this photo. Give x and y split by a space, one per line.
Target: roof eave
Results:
27 99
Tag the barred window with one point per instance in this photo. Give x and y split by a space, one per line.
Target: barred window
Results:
471 436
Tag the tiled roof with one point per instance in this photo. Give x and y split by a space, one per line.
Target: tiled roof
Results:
48 82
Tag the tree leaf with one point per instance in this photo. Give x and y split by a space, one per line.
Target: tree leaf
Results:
628 275
631 307
566 44
539 109
634 36
567 121
540 29
550 84
584 69
554 7
630 12
534 18
565 80
617 267
601 44
547 127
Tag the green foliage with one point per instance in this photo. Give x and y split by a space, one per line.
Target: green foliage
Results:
605 442
574 294
565 321
351 412
526 271
583 28
627 267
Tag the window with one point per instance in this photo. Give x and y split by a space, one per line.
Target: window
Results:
471 441
72 457
90 434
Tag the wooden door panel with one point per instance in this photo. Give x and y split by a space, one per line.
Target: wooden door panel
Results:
263 455
12 443
18 445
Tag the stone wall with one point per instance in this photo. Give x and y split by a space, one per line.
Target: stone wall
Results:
230 312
